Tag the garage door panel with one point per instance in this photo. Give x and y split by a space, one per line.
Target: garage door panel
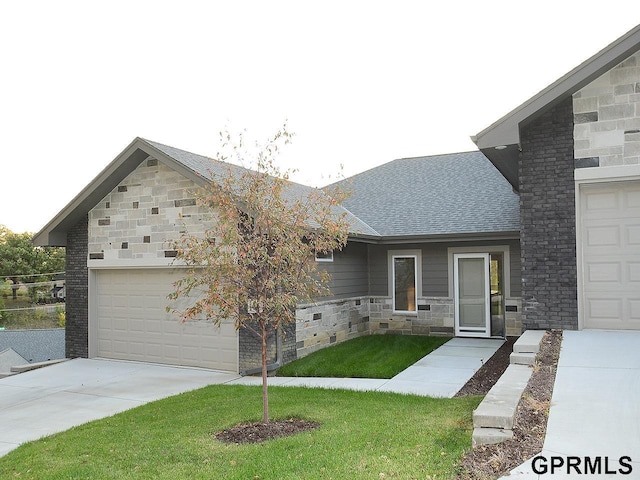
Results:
610 219
132 323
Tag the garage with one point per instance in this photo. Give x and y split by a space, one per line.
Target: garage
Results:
610 240
130 323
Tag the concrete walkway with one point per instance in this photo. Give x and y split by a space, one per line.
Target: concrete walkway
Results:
439 374
595 408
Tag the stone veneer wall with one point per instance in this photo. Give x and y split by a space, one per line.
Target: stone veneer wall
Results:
282 350
142 216
513 317
435 316
607 118
77 283
547 221
333 321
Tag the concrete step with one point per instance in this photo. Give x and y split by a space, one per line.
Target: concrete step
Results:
522 358
490 436
498 408
529 341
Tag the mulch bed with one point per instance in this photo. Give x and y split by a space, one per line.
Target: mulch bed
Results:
494 461
257 432
490 372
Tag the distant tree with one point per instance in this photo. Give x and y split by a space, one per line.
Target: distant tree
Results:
19 258
255 262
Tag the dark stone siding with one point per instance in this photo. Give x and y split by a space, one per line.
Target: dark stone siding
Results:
77 281
547 221
282 350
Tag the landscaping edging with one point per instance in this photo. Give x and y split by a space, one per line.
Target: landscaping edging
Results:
494 417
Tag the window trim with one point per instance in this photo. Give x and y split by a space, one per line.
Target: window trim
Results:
417 258
327 259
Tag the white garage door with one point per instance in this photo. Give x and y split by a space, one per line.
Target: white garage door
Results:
132 323
611 255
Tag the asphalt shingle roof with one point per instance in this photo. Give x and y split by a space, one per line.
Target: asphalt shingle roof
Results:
437 195
209 168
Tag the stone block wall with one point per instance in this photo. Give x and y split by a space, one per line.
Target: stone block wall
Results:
281 349
607 118
547 221
77 283
435 316
325 323
513 317
142 216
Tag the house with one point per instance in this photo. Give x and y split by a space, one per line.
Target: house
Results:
431 218
573 153
539 229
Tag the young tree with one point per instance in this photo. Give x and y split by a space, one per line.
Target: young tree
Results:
255 261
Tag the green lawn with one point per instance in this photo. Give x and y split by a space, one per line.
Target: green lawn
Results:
362 435
373 356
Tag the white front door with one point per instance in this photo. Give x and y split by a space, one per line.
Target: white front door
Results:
472 294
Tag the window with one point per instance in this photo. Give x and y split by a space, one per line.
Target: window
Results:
324 256
405 285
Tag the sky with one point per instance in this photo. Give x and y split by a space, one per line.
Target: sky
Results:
360 83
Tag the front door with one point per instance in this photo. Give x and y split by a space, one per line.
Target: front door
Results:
472 294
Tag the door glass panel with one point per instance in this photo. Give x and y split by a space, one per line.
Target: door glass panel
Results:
404 284
497 294
472 292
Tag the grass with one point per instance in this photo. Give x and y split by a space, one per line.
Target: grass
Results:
362 435
373 356
29 318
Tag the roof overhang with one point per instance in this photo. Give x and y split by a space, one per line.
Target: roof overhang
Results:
500 142
55 232
438 238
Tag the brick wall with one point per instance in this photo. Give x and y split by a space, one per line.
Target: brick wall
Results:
77 280
547 221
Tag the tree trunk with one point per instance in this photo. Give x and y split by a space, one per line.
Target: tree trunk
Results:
265 391
14 289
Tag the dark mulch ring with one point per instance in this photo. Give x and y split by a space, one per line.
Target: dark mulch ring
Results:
494 461
257 432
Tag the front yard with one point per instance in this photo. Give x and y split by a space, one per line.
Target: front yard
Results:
362 435
373 356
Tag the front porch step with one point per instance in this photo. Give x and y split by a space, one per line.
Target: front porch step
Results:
490 436
522 358
529 341
498 408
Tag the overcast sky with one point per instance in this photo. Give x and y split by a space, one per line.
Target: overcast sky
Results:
361 83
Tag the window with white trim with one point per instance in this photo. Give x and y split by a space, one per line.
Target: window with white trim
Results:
404 280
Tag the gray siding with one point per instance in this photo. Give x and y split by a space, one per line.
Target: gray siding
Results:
349 271
435 266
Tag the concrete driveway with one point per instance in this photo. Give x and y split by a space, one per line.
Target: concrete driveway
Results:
55 398
594 420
